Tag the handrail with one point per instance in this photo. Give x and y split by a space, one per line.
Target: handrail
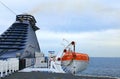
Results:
8 66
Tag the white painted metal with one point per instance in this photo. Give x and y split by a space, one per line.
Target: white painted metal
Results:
56 65
11 65
74 66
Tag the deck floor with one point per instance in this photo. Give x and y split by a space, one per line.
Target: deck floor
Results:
48 75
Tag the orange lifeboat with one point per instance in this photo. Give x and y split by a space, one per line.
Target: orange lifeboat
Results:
74 62
75 56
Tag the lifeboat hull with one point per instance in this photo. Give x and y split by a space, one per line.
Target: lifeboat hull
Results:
74 66
74 62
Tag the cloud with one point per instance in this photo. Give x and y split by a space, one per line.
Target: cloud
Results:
101 43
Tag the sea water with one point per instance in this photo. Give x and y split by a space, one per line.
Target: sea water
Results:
103 66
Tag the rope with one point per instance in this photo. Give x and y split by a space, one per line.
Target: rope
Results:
8 8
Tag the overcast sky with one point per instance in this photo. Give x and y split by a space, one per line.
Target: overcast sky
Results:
93 24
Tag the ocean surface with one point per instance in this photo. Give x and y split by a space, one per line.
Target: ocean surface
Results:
103 66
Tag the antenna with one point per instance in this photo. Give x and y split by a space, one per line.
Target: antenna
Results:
65 40
8 8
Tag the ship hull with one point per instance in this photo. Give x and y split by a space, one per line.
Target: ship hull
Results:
74 66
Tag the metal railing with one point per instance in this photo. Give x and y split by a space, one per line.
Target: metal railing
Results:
8 66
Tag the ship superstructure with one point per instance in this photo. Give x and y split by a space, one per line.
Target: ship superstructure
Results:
20 40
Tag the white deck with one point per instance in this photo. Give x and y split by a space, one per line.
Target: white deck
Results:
38 70
55 68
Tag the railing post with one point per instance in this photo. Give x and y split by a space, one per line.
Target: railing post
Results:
11 65
6 67
1 68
